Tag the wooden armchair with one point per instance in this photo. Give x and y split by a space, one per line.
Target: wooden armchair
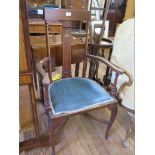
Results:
73 95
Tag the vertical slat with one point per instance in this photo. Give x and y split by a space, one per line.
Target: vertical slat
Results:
48 50
77 69
66 40
86 47
84 68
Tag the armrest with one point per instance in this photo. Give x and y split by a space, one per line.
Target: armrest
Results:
106 62
46 83
112 88
39 66
117 70
126 83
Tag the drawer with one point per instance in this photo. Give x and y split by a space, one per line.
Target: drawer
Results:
78 2
55 28
78 7
42 29
25 79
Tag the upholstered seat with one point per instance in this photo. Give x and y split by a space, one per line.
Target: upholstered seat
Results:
123 56
74 94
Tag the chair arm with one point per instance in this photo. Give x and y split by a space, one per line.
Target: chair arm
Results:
124 84
46 83
106 62
39 66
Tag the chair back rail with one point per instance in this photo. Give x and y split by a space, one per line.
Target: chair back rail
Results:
66 15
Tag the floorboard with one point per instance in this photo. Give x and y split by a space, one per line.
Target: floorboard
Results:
83 136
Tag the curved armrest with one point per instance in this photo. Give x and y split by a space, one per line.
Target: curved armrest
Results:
124 84
39 66
118 71
106 62
45 81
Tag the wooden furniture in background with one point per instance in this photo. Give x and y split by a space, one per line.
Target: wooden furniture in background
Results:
124 41
38 41
99 22
38 26
27 105
40 2
75 4
116 14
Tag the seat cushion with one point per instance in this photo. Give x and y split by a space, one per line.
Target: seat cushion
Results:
74 94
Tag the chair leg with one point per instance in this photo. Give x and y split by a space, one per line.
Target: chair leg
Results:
53 142
128 132
52 126
54 130
113 109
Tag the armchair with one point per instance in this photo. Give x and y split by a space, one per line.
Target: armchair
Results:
73 95
123 56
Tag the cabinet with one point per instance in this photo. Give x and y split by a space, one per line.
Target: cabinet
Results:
116 14
74 4
41 2
27 106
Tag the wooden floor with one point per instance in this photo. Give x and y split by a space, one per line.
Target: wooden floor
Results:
82 136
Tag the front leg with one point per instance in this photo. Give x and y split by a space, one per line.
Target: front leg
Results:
52 136
128 132
113 109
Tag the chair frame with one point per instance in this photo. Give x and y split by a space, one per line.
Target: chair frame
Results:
130 112
56 122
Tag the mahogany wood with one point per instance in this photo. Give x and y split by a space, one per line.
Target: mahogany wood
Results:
66 69
66 14
75 4
55 120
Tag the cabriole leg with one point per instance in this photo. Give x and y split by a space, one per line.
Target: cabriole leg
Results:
113 109
128 132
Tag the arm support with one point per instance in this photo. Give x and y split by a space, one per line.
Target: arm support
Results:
106 62
118 72
126 83
45 81
40 69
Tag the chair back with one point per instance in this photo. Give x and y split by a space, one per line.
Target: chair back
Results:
66 17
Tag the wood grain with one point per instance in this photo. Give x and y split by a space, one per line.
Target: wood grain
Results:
82 136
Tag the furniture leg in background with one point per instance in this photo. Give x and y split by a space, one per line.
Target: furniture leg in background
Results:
129 130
